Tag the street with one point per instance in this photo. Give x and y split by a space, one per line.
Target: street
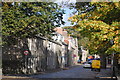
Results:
52 39
76 72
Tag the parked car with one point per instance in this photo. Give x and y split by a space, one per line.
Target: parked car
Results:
79 61
87 64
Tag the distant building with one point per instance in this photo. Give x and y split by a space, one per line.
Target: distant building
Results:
62 36
84 54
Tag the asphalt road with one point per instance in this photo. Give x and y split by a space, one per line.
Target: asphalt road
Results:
75 73
57 79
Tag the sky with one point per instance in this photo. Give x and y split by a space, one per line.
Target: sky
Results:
68 12
70 1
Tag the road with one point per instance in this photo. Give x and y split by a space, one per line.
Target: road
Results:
74 73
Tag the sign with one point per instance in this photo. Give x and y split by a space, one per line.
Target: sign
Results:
26 52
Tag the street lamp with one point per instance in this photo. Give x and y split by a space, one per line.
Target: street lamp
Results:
113 55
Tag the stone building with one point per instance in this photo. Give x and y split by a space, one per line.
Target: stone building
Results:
36 54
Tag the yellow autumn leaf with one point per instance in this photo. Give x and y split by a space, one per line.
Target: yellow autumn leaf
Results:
70 18
117 4
104 36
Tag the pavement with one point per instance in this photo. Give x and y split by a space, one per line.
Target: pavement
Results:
0 74
72 73
105 73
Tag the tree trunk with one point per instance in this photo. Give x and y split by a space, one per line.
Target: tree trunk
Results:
103 61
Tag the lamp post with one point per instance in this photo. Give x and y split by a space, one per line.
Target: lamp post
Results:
113 63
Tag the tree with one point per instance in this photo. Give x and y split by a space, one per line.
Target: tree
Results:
82 41
23 19
101 25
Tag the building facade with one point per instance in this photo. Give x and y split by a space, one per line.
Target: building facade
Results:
37 54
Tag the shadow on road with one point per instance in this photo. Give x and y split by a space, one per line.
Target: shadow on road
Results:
56 79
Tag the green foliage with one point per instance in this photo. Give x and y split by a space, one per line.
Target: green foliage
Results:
21 20
100 25
82 40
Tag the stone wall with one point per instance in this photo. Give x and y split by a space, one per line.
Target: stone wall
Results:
43 54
